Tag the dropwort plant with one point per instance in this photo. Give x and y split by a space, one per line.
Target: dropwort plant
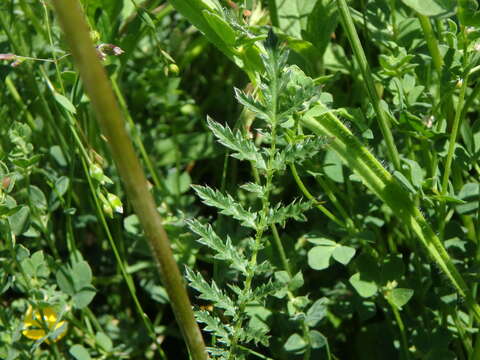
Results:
283 92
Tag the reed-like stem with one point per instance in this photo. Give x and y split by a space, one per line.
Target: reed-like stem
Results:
98 88
357 48
324 123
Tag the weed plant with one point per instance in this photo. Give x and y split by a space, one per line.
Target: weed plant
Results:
336 148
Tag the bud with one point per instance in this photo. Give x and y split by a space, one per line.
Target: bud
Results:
96 172
173 69
106 206
115 203
459 83
107 209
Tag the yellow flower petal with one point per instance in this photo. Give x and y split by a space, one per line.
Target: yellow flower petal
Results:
35 326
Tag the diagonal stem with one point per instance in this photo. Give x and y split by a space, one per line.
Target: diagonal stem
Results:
73 23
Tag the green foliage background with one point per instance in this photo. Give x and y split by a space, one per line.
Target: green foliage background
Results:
369 246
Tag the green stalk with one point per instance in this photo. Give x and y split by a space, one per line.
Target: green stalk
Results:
383 122
453 137
309 196
432 42
324 123
272 7
434 51
97 86
401 329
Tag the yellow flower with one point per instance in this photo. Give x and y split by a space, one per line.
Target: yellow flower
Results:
35 327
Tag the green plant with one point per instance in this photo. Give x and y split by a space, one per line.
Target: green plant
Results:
339 215
284 93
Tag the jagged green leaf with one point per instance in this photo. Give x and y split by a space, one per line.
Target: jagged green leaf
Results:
264 290
254 188
243 148
224 250
280 214
254 334
299 152
251 104
213 325
210 292
227 205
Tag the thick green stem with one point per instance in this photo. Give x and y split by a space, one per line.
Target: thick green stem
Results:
72 20
432 42
357 48
324 123
272 7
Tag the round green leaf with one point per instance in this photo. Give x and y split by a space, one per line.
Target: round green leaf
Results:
319 257
432 7
317 312
317 339
400 296
83 297
343 254
20 221
79 352
104 341
364 288
295 344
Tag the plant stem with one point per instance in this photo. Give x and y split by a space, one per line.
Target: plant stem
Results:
272 7
382 183
262 223
309 196
431 42
383 121
108 114
401 328
453 137
434 50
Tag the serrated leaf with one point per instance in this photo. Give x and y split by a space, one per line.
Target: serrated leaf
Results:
262 291
249 102
280 214
243 149
254 188
224 250
301 151
210 292
255 334
213 325
226 204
